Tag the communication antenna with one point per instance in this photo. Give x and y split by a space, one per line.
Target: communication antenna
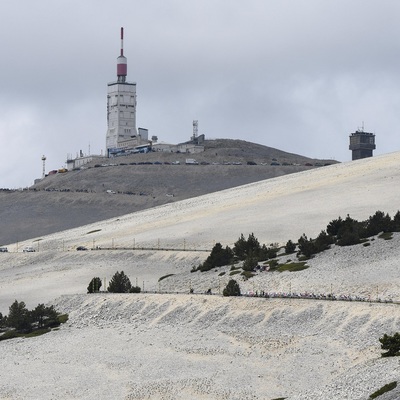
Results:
195 128
44 166
122 64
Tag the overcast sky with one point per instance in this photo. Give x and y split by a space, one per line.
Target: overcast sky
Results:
297 75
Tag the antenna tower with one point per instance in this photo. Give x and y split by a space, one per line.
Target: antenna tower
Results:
44 166
195 128
122 64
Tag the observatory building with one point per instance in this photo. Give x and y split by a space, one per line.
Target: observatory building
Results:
361 144
121 108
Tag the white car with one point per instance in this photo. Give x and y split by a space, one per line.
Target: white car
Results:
28 249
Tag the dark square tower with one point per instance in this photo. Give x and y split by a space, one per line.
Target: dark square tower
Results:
361 144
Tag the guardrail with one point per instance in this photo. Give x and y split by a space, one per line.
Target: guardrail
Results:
151 249
267 296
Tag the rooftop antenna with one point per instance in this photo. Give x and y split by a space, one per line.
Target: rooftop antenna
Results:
361 129
44 166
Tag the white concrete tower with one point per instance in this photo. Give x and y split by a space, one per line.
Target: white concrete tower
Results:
121 105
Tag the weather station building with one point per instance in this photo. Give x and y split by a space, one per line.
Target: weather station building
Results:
361 144
122 137
121 110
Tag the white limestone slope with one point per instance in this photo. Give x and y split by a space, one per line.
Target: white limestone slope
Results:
181 346
275 209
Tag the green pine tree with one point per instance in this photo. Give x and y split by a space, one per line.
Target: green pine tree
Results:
119 283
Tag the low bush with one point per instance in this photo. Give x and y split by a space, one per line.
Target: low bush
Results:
37 332
135 289
164 277
386 235
10 335
235 272
95 230
247 274
62 318
273 264
292 267
384 389
391 344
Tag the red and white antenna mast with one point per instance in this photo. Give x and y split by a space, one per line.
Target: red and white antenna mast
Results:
122 41
122 64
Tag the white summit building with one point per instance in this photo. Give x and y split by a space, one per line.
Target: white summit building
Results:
121 108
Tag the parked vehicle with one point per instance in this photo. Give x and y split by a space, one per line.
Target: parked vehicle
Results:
28 249
81 248
191 161
3 250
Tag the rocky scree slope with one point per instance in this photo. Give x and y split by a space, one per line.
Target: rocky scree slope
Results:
64 201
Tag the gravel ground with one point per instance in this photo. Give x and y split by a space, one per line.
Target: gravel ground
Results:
179 346
156 346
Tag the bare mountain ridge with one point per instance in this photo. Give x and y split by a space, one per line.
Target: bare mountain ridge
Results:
76 198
